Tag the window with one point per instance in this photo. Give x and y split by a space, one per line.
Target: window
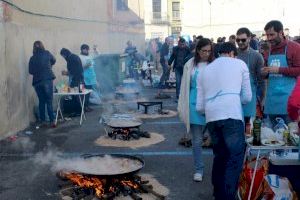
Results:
176 29
122 5
176 10
156 8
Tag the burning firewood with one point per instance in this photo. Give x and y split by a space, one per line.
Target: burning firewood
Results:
88 187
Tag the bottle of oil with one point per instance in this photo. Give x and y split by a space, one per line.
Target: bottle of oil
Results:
256 132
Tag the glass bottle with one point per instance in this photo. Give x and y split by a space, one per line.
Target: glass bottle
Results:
256 131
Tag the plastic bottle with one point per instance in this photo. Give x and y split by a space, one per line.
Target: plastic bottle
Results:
279 128
256 131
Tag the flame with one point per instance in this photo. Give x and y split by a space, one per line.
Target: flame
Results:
130 184
98 184
86 182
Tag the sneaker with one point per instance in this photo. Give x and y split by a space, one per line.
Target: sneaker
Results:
197 177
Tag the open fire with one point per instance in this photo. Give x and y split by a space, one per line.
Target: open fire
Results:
79 186
128 133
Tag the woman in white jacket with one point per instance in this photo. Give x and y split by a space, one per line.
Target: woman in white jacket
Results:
192 119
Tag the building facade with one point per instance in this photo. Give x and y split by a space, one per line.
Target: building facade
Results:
109 24
163 18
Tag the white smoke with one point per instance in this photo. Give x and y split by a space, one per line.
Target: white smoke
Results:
101 165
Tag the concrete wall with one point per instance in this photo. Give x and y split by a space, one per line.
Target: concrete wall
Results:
20 30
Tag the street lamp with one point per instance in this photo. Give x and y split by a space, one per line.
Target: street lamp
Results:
209 2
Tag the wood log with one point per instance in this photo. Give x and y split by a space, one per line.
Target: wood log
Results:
108 196
148 189
135 197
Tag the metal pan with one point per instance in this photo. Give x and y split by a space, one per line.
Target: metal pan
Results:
140 164
120 123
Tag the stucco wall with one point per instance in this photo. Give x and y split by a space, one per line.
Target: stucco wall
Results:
17 96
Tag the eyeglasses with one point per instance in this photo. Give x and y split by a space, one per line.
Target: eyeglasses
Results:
205 51
241 40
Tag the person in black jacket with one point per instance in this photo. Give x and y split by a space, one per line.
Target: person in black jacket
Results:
164 56
75 73
74 66
40 67
179 56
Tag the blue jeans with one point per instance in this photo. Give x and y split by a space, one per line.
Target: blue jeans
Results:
229 146
197 136
44 91
178 75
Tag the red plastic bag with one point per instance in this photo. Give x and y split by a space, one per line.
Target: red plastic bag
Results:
247 176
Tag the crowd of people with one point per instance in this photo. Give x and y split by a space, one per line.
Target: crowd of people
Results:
221 88
218 87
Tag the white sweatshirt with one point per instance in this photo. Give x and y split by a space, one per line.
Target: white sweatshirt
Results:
223 86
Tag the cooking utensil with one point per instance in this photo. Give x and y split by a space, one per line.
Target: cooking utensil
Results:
133 159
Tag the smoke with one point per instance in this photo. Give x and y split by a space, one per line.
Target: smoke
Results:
106 164
23 144
48 157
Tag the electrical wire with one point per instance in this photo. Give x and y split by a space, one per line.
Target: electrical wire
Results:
60 17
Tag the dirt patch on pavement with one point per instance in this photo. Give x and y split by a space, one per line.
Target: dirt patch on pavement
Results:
165 113
142 142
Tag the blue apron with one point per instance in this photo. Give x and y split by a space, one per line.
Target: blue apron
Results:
279 87
195 116
249 109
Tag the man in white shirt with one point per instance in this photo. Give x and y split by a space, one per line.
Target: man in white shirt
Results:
223 87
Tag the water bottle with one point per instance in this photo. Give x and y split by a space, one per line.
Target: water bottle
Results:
281 131
279 128
256 131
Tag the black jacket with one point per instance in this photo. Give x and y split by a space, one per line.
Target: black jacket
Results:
164 51
40 66
75 69
179 56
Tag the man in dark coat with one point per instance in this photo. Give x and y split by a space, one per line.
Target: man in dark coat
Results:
179 55
74 66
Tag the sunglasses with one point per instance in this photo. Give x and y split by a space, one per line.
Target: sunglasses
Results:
241 40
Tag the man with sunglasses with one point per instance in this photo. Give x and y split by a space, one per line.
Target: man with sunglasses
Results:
283 66
255 62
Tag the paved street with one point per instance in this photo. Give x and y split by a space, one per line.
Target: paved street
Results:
169 163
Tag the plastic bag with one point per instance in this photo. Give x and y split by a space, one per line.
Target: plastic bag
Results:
277 188
268 133
247 175
267 122
95 98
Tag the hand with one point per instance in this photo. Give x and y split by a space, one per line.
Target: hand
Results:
270 70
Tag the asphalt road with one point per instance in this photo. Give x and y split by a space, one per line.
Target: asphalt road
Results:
21 177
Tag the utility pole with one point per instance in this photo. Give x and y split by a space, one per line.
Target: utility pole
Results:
209 1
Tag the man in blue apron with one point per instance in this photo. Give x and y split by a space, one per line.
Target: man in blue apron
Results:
255 62
283 66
